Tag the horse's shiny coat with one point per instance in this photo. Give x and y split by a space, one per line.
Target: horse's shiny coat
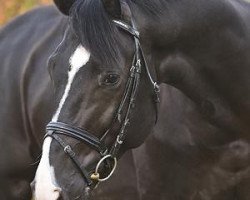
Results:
200 148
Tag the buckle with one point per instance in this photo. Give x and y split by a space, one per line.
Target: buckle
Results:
69 151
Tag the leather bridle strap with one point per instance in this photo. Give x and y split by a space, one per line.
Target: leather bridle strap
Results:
132 86
139 53
127 28
78 134
68 150
135 33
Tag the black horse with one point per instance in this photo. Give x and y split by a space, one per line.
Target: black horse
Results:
23 124
200 48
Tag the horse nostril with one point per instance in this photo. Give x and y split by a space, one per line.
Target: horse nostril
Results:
58 191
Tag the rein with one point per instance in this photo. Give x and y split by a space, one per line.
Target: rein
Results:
108 155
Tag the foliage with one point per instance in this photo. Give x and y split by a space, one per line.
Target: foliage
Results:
11 8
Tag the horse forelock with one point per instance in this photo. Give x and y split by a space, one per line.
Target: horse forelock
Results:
95 30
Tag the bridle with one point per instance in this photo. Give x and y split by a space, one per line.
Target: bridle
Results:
54 129
108 155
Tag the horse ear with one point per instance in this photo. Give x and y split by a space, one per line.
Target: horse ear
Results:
113 8
64 5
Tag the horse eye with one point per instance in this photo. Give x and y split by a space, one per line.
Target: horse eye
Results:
111 79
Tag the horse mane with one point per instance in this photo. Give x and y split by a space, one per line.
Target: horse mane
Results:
97 33
154 8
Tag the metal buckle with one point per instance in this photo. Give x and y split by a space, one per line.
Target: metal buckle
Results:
96 175
128 28
156 87
104 152
69 151
118 140
138 63
157 92
137 34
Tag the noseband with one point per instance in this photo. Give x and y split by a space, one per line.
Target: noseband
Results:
108 155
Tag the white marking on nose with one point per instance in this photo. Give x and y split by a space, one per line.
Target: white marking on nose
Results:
46 187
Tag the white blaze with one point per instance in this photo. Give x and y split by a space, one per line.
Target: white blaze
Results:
46 187
77 60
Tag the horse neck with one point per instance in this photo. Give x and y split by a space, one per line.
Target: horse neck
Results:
182 42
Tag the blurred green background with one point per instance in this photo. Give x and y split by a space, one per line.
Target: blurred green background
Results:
11 8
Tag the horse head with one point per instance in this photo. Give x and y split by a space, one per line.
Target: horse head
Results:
105 97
